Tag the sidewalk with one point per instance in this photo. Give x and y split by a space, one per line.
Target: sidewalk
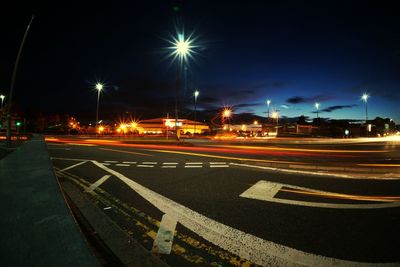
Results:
36 225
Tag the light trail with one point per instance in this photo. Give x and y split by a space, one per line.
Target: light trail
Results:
344 196
303 149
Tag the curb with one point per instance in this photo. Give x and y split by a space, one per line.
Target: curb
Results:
126 249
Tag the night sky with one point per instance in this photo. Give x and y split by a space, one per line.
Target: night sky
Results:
295 53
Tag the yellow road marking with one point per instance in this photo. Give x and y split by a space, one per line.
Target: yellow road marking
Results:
303 149
77 144
225 157
120 206
379 165
127 152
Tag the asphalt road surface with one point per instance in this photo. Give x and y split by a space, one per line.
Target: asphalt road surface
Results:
224 212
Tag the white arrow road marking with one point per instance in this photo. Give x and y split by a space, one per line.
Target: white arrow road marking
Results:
73 166
255 249
97 183
165 235
265 190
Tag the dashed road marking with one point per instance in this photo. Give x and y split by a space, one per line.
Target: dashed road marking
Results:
169 166
219 166
149 162
111 161
194 163
105 163
193 166
121 164
145 166
216 163
129 162
170 163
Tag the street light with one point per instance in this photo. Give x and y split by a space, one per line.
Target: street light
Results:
275 115
226 113
98 87
2 100
196 94
181 49
268 103
317 107
365 97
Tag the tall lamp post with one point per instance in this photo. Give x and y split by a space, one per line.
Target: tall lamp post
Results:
2 100
317 107
181 49
275 115
226 113
365 97
268 103
98 87
14 74
196 95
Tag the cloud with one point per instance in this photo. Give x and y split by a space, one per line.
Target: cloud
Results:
296 100
300 99
285 106
248 105
333 108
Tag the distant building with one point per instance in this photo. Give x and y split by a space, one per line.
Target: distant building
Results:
162 125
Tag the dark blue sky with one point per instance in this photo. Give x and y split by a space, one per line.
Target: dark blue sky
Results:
292 52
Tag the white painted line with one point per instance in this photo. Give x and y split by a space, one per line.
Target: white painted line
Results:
145 166
129 162
107 164
97 183
169 166
165 235
124 165
73 166
265 190
292 171
255 249
71 159
391 176
147 162
194 163
111 161
217 163
170 163
194 166
219 166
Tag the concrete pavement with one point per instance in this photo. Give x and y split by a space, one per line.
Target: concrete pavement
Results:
37 226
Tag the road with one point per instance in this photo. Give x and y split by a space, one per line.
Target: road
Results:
225 212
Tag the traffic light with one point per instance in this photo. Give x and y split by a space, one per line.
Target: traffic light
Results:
18 123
